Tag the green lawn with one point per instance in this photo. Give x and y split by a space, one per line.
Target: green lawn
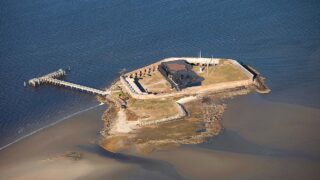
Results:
221 73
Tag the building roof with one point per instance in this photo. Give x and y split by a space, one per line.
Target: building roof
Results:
179 74
176 67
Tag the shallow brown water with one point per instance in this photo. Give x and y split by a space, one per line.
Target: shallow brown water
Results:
39 156
262 140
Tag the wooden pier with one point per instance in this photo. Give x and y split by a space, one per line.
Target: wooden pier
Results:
37 81
51 78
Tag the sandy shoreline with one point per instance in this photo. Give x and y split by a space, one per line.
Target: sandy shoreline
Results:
40 155
281 146
48 126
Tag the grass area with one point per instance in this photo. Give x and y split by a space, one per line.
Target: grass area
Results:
171 130
222 73
152 109
153 78
175 130
166 135
156 83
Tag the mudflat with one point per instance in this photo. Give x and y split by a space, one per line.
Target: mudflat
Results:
261 140
67 150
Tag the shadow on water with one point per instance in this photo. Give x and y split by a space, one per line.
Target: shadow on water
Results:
161 168
231 141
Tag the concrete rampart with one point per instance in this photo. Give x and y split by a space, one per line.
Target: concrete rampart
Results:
143 71
133 85
202 61
191 90
154 66
243 69
127 85
130 86
195 90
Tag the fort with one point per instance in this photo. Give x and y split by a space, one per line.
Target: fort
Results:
150 82
174 76
176 100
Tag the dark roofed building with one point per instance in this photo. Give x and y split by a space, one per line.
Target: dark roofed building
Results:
173 68
179 73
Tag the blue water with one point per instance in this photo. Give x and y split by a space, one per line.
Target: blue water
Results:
98 38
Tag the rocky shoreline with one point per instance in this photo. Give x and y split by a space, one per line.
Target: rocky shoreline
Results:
203 121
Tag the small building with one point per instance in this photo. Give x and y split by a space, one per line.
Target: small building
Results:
179 74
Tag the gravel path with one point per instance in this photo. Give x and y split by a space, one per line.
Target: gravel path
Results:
121 124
